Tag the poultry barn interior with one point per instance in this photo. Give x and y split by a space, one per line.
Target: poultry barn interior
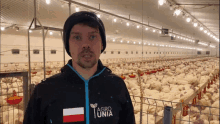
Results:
165 51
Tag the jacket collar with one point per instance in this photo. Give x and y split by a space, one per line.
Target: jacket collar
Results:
67 70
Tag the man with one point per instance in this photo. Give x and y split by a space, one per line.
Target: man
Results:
85 92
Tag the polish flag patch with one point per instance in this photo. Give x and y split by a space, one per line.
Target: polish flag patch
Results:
73 114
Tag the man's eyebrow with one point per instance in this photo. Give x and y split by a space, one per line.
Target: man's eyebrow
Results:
75 33
81 33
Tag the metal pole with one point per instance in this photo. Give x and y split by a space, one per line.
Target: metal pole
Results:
63 49
35 13
69 8
29 61
44 53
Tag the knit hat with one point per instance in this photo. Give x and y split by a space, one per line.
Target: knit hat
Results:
78 17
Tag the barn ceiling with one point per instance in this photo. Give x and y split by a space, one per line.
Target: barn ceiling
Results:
54 14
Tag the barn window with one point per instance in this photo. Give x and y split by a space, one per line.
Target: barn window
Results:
53 51
207 52
15 51
35 51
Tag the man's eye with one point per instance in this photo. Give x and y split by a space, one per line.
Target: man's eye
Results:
93 37
76 37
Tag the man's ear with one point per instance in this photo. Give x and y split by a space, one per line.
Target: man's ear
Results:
102 47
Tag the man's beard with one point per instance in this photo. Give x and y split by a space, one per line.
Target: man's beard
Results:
86 64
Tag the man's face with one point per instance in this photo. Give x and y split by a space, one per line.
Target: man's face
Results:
83 41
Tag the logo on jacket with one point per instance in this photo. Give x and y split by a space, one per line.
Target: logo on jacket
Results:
101 112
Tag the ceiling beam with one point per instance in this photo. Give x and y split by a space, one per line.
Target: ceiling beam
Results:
199 4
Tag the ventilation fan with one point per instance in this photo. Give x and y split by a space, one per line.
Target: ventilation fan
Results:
164 32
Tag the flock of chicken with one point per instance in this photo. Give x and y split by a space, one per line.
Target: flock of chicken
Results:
175 84
162 82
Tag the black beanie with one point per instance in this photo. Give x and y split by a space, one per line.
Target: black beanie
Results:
78 17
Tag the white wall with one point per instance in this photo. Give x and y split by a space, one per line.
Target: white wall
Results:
9 42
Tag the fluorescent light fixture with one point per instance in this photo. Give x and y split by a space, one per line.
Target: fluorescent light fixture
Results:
201 28
188 19
77 9
48 1
212 46
201 43
2 28
195 24
177 12
161 2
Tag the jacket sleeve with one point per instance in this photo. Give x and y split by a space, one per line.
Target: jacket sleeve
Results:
126 116
33 109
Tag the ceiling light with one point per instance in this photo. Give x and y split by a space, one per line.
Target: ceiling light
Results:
139 42
48 1
137 26
114 20
121 41
154 30
30 31
161 2
160 32
195 24
127 24
201 28
205 31
208 33
2 28
177 12
77 9
146 28
134 42
113 40
128 41
99 15
51 33
188 19
178 37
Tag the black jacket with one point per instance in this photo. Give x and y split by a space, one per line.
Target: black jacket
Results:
68 97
